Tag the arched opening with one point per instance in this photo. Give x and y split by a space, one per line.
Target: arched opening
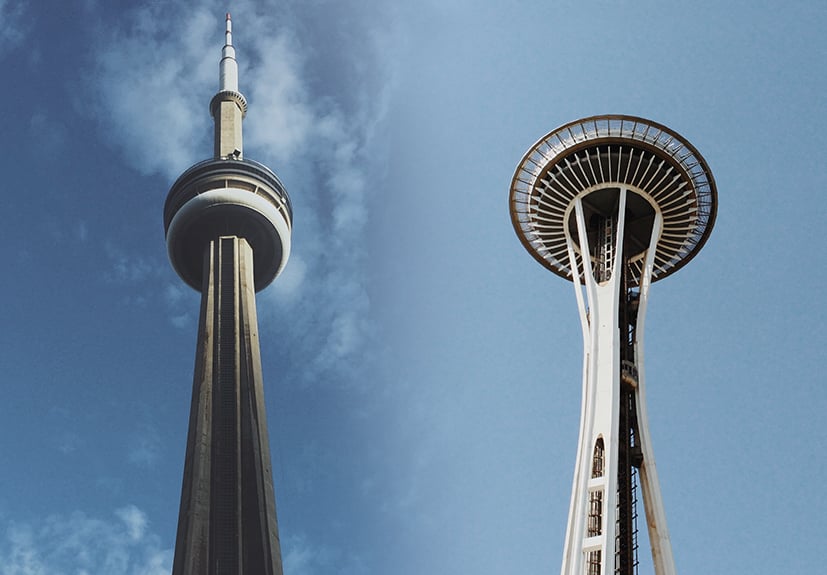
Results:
597 458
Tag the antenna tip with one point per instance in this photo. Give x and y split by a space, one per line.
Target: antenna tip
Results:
228 16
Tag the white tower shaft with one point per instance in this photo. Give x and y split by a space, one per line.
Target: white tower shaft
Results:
613 203
594 530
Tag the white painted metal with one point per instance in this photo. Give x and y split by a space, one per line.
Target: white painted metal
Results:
601 400
659 541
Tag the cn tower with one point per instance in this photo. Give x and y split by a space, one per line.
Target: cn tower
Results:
613 203
228 222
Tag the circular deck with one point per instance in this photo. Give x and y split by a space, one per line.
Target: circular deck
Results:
228 197
592 159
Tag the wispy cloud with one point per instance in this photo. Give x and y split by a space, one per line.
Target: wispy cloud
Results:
50 134
82 231
150 71
302 558
125 267
13 30
181 305
68 442
144 446
135 521
321 132
86 545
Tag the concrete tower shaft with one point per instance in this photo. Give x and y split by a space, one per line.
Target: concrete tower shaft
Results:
227 520
228 224
613 203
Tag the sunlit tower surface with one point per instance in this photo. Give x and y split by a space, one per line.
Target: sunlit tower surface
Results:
613 203
228 222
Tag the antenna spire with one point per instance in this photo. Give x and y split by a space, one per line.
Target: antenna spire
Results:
228 79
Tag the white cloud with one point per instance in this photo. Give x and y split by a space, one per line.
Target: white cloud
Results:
145 447
181 321
288 287
80 544
135 521
129 268
181 306
302 558
82 231
174 293
284 119
149 75
298 557
12 31
50 134
68 442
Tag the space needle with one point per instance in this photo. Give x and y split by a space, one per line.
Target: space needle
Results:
228 222
613 203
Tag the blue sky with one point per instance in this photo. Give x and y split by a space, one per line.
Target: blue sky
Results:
422 370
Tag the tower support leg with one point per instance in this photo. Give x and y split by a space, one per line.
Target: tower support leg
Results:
662 558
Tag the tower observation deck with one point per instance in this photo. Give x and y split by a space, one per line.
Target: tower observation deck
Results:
228 224
613 203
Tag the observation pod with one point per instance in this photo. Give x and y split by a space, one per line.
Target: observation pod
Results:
228 197
613 203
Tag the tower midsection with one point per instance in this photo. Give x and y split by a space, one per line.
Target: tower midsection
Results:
602 533
227 521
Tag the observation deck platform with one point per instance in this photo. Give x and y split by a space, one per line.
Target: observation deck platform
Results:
228 197
592 159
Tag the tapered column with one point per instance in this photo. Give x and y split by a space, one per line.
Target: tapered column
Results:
590 536
227 521
661 545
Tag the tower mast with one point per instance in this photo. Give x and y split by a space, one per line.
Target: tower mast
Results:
228 224
613 203
228 106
